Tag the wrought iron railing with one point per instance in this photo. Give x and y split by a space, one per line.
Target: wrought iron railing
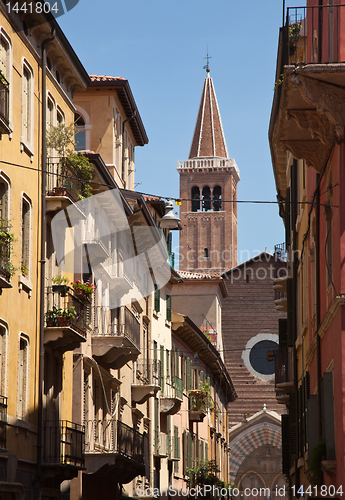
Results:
314 34
63 443
100 435
148 372
280 251
130 442
3 421
4 99
199 400
283 366
178 388
67 310
62 179
131 327
5 255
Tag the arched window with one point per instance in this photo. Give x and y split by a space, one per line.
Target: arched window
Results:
206 252
206 199
80 135
217 199
195 199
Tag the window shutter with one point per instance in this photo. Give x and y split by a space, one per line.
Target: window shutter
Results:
168 306
286 459
290 311
282 332
293 414
287 218
206 451
162 368
156 437
157 298
184 445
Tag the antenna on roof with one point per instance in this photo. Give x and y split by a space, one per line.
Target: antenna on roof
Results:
207 67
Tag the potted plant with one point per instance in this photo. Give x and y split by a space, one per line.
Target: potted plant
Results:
51 316
24 270
60 191
60 285
82 290
66 315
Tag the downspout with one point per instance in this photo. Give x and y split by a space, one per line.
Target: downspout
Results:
123 144
43 255
318 340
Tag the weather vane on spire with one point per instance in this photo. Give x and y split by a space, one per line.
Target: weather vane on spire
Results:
207 67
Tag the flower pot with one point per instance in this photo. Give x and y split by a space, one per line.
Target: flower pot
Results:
61 289
62 321
50 322
60 191
81 295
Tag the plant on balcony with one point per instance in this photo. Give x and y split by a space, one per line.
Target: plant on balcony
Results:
51 316
61 139
24 270
200 399
66 315
83 290
6 248
3 79
205 474
60 285
294 30
315 458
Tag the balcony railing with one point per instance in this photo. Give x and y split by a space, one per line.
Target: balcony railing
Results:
199 401
3 421
315 34
105 325
63 443
280 251
62 180
148 373
283 366
5 256
66 310
178 388
4 105
130 442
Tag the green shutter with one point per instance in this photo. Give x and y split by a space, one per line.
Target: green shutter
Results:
157 299
206 452
156 436
286 458
168 306
293 413
162 368
185 452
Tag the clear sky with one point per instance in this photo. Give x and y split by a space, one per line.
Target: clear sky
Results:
159 46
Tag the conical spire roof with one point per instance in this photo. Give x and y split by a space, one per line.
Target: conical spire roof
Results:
208 140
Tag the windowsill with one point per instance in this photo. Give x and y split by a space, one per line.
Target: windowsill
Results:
156 314
168 323
26 147
25 284
23 424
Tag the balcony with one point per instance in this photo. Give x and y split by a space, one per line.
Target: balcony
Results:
172 404
199 402
283 373
308 109
3 423
114 344
63 449
4 106
66 320
147 380
5 259
63 185
114 446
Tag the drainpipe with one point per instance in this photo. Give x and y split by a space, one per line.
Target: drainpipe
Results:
318 340
123 144
43 255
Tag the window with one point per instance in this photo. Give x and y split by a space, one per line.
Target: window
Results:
50 112
217 199
26 229
206 253
195 199
23 363
60 117
3 358
206 199
27 104
80 133
5 68
4 197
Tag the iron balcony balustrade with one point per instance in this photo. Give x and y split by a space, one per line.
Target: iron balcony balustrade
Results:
115 344
5 257
63 444
3 422
4 106
67 318
171 400
283 373
114 446
199 402
147 380
63 185
314 34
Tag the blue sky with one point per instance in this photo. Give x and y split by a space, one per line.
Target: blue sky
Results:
159 46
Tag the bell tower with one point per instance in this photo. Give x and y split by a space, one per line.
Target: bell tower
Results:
208 193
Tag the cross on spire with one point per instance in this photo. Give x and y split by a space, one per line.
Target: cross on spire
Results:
207 67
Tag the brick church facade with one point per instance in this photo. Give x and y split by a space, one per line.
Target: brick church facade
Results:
249 319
